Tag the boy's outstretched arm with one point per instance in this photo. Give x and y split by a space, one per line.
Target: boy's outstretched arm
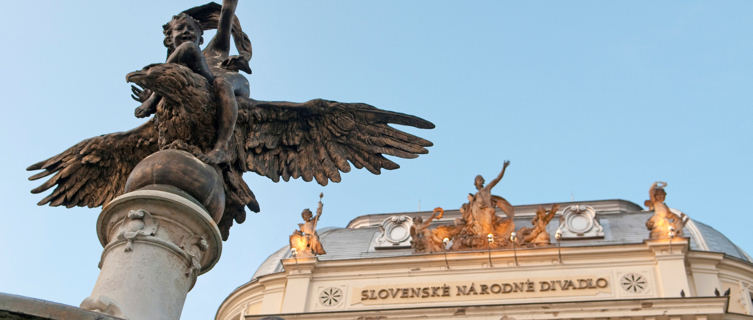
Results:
221 40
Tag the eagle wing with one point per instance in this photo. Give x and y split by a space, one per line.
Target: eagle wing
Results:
317 139
95 170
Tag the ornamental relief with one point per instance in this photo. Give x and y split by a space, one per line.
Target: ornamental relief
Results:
634 283
137 223
579 222
330 297
394 233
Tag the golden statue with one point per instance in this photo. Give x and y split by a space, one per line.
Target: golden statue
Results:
483 203
424 239
479 218
305 242
479 226
664 224
537 235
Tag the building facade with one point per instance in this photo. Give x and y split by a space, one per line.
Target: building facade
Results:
602 266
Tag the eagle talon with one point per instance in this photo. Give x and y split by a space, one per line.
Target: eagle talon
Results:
215 156
148 107
143 111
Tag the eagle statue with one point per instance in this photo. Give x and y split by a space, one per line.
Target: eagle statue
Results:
316 139
310 140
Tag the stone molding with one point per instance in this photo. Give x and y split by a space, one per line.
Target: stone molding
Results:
646 308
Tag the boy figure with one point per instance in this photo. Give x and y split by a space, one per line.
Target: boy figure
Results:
664 224
306 240
183 36
537 235
423 238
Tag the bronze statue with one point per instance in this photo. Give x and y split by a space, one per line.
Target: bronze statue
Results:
305 241
201 105
664 224
183 36
537 235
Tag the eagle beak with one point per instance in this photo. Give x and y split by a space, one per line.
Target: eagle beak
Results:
136 76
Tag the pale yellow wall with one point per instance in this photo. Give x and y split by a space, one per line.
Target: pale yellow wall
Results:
665 271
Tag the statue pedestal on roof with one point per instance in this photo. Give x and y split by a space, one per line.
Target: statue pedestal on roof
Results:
671 272
158 238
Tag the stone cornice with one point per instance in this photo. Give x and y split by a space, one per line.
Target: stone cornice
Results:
636 308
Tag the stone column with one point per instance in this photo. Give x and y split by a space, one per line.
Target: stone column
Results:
157 239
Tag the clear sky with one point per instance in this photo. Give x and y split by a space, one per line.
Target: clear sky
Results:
588 99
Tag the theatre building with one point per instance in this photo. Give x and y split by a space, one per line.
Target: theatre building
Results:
593 260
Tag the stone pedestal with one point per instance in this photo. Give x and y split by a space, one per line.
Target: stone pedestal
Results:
157 240
670 266
300 271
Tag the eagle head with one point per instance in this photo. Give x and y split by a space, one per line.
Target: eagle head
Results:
170 80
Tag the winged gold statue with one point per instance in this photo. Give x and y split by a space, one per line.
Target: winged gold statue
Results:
200 104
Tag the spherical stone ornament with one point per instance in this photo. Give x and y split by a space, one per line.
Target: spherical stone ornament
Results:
184 171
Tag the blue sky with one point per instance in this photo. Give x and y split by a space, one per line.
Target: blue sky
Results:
588 99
